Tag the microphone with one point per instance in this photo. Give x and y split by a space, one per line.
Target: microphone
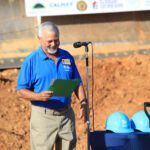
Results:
79 44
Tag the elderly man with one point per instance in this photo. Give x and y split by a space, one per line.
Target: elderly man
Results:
52 118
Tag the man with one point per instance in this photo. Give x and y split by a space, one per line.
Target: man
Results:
52 118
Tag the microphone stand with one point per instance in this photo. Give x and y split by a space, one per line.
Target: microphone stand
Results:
87 96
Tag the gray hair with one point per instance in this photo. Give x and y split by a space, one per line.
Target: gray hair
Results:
50 26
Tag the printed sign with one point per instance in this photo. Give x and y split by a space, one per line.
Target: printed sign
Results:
69 7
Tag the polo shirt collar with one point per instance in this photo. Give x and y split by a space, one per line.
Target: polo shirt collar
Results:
42 53
60 54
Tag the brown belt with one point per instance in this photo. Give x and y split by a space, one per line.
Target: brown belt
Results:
55 112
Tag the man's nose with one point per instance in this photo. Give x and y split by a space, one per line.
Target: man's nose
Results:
53 43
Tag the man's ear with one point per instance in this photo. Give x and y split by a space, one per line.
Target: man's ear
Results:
38 38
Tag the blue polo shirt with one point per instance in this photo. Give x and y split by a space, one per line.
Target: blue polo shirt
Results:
38 71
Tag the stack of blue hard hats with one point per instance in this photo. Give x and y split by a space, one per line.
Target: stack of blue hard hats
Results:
119 122
140 122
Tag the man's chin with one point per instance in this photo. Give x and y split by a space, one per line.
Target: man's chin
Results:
52 51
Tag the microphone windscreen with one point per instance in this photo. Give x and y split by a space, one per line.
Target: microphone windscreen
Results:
77 44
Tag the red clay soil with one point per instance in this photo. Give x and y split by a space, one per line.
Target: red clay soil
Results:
120 84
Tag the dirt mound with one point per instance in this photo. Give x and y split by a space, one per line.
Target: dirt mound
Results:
121 84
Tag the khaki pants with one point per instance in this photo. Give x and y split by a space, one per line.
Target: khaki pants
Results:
49 127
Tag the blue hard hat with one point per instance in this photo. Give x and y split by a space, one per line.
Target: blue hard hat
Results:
140 122
118 122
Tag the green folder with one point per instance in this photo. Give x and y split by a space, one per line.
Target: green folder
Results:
62 87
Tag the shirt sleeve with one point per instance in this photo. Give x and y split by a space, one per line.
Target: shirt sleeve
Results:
25 76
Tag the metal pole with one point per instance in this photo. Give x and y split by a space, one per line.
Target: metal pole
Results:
87 96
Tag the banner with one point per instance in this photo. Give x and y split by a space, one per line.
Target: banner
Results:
70 7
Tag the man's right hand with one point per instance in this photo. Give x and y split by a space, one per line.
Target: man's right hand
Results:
45 95
30 95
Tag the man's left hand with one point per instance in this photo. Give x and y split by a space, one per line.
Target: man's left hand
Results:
83 111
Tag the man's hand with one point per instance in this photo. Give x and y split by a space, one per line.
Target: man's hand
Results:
45 95
83 110
83 114
32 96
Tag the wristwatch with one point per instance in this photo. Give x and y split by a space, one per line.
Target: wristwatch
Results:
83 103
